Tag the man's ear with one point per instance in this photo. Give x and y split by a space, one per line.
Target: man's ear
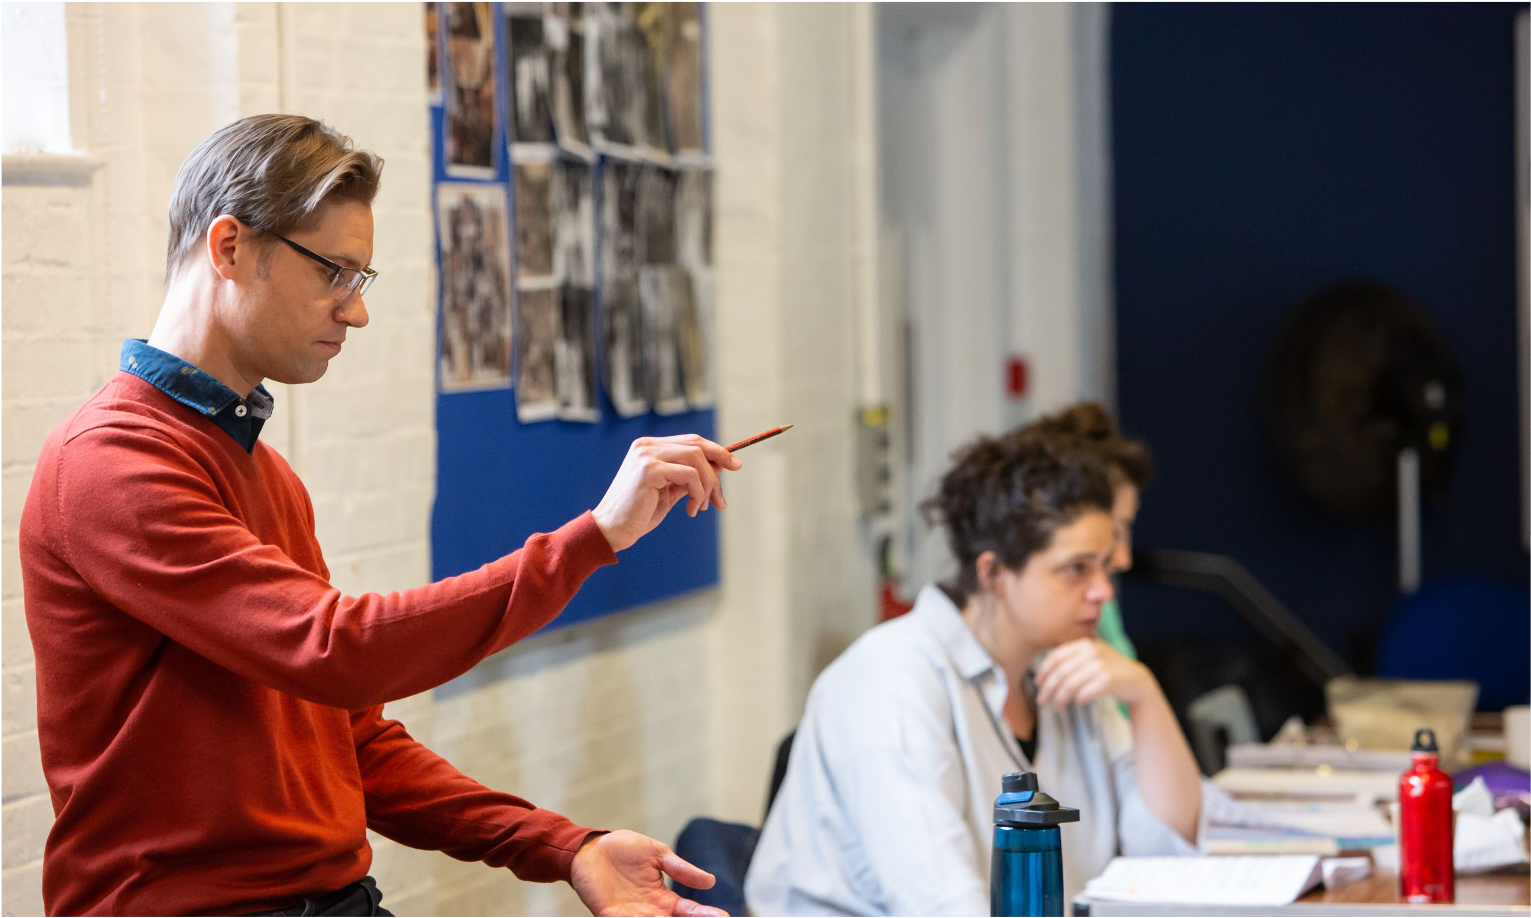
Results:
230 246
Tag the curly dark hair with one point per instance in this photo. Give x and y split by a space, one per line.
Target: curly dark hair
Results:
1087 425
1009 495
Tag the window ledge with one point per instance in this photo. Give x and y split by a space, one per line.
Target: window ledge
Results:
36 168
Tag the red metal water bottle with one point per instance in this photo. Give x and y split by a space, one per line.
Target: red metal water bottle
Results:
1426 872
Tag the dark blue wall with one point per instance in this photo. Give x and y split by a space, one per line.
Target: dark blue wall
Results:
1260 152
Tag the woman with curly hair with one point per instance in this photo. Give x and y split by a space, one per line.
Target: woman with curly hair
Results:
886 808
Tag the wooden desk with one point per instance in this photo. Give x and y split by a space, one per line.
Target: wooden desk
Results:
1495 895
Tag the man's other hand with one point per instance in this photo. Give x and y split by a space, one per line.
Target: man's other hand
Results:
623 873
655 475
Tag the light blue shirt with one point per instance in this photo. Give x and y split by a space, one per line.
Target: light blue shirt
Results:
887 805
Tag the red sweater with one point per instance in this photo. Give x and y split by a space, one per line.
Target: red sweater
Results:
210 708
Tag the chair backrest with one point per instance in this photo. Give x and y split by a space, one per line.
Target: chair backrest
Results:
723 849
1221 718
779 771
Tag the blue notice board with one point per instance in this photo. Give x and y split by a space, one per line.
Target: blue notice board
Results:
498 480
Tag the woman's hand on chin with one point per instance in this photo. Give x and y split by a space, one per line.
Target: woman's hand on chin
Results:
1086 669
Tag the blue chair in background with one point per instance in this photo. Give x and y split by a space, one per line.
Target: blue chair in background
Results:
1474 628
723 849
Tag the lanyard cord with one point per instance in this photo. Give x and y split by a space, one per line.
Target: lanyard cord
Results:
1000 734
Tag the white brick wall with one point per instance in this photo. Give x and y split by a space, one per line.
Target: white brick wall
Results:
642 720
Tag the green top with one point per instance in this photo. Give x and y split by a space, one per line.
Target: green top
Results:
1111 631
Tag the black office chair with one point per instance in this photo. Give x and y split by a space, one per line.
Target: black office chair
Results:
779 770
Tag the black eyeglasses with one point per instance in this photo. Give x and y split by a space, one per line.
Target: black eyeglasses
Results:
343 281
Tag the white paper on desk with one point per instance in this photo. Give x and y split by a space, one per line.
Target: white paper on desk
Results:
1311 783
1483 840
1359 824
1206 880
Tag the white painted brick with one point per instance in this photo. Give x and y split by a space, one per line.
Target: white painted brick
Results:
23 889
10 566
22 822
52 368
23 774
15 642
27 424
14 484
18 699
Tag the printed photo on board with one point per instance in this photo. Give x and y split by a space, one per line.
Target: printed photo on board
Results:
683 78
534 220
475 286
564 26
574 223
531 117
471 127
616 97
623 346
658 289
656 216
576 355
619 220
693 323
538 337
433 52
693 218
650 20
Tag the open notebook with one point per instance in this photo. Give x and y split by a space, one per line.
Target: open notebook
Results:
1206 880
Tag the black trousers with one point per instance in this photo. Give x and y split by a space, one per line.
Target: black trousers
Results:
360 898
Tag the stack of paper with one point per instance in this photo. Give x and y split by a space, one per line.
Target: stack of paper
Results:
1322 827
1206 880
1310 783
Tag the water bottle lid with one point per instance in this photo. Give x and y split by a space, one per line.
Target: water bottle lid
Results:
1022 804
1424 742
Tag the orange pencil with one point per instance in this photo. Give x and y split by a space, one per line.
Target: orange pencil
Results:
758 437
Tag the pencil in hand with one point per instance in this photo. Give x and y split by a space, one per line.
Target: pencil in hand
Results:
757 438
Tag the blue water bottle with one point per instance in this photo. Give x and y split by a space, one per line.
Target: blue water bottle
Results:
1027 871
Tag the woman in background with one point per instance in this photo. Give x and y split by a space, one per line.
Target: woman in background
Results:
1130 465
886 808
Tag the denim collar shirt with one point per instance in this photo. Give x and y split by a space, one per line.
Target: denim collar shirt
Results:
887 805
241 417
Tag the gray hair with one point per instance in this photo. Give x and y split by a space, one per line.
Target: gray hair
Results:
270 171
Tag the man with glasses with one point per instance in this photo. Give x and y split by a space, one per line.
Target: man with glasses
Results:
209 707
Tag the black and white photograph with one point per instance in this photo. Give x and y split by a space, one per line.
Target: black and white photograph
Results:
534 220
693 323
656 216
472 114
433 52
576 355
623 342
683 78
650 19
564 27
573 223
619 219
476 330
693 218
531 116
538 344
616 98
658 290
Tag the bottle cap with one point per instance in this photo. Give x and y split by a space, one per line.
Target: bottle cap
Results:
1022 804
1424 742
